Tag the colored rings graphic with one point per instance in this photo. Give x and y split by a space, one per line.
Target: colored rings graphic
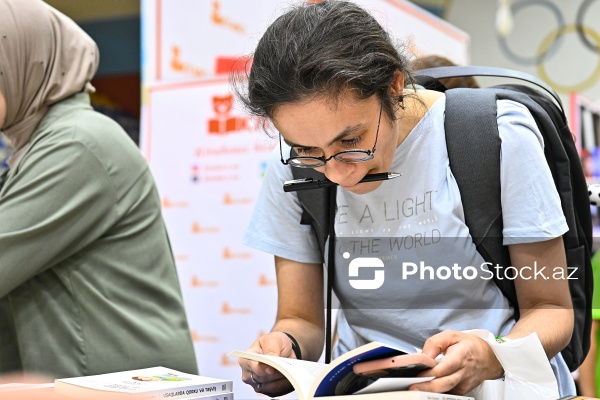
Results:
515 8
580 27
547 42
551 43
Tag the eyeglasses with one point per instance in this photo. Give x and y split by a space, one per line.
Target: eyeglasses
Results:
348 156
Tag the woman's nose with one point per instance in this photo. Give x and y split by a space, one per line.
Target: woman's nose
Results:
337 171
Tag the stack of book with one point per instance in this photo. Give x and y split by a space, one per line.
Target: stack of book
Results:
147 384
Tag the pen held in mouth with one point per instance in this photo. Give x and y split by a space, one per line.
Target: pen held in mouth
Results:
309 183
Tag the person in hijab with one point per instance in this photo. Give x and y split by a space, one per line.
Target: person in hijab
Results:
88 283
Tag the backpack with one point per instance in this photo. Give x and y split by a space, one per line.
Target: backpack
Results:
473 145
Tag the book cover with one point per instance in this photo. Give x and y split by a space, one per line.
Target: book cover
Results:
147 383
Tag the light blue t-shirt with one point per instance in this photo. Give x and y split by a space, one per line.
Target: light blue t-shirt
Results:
426 273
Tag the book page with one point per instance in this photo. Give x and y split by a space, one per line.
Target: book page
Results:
392 384
300 373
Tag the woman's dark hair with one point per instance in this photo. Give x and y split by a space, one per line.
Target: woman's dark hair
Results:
321 48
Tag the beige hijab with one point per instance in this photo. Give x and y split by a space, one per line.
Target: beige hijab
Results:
44 58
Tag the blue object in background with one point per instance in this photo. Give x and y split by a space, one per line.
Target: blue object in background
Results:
596 163
5 151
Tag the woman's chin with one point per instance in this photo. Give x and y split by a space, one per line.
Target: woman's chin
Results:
363 188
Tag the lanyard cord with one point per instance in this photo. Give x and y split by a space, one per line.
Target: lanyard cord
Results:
330 270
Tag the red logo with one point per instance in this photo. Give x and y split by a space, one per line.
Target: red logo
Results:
224 123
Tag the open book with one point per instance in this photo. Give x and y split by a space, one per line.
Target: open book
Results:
313 379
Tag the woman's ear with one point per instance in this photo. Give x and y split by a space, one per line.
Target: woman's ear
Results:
397 87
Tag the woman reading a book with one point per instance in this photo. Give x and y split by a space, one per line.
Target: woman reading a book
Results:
88 282
340 95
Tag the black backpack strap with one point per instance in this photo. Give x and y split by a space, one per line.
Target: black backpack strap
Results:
330 273
315 205
473 144
561 149
430 83
566 169
318 210
474 70
567 172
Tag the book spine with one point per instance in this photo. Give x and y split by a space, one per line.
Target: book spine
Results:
204 391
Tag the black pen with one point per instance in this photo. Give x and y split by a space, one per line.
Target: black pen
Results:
309 183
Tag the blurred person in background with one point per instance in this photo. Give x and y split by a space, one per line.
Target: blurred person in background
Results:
432 61
88 280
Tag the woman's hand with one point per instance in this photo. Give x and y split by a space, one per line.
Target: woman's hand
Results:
300 313
468 361
263 378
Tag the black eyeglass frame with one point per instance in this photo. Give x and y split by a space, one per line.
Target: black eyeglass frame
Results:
369 154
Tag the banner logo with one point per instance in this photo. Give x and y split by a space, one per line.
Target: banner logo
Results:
223 122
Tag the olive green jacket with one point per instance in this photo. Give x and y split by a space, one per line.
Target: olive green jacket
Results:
88 284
